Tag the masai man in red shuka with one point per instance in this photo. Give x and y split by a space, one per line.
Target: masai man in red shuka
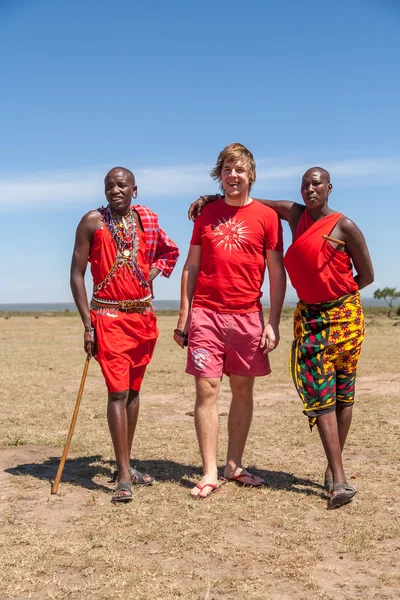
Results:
328 320
127 249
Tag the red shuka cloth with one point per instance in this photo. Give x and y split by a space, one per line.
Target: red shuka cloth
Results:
318 271
126 341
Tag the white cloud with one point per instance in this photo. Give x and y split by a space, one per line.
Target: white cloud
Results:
268 170
75 186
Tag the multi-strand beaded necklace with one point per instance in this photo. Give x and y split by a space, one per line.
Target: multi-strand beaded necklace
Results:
124 233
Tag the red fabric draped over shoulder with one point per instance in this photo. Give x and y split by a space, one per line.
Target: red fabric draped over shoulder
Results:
318 271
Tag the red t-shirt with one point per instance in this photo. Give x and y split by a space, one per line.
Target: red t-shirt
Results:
234 241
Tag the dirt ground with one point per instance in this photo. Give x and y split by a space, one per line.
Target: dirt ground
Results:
276 542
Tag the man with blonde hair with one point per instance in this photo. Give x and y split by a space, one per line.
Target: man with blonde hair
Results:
221 315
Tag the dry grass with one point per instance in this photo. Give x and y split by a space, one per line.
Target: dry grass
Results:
278 542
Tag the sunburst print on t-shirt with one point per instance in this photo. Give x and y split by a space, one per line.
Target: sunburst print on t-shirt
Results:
230 233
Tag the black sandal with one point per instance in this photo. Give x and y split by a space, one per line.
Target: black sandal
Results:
123 487
343 493
137 478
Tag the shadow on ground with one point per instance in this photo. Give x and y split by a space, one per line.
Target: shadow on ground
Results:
83 470
77 471
280 480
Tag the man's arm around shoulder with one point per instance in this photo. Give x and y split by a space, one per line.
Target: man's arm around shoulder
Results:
284 208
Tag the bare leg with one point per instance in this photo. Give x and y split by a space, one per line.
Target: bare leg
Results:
329 434
118 425
239 421
132 413
206 422
344 415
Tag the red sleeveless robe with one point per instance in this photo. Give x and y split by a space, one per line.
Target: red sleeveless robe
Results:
318 271
125 341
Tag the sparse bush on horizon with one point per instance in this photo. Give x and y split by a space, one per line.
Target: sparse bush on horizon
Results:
389 295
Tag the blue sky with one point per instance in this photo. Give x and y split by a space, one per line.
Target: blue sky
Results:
161 88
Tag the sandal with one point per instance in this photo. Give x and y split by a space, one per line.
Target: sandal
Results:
255 481
343 493
214 488
127 496
328 485
137 478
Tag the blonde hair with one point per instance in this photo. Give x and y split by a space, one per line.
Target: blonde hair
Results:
235 152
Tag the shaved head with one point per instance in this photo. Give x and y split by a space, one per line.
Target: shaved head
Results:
324 173
316 187
127 172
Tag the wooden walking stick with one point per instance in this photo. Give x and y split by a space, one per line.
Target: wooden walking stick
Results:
54 487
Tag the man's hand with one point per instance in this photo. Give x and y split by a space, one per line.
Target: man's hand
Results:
153 273
269 338
89 342
181 332
197 206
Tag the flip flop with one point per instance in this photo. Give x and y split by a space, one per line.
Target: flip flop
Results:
246 475
137 478
343 493
123 487
214 488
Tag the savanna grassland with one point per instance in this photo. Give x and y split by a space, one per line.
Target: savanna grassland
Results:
276 542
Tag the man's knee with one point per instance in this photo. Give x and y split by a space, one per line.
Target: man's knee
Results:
121 397
343 405
133 397
242 387
206 390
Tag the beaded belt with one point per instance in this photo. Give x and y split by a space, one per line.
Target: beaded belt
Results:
122 305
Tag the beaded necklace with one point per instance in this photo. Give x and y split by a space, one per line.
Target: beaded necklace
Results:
124 233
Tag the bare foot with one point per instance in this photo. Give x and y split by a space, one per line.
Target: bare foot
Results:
205 487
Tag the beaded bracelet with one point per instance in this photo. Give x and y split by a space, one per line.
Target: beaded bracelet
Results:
89 329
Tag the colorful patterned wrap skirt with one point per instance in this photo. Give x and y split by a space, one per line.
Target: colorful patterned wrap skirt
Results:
325 353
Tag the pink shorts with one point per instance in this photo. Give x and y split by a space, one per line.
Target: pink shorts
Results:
226 343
